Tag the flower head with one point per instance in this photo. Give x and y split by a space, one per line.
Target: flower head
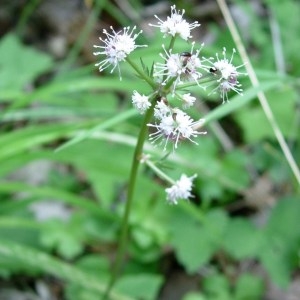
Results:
181 189
117 46
176 24
140 102
179 67
227 75
161 109
188 100
175 125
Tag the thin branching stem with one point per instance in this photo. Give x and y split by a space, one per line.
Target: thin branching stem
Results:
149 80
159 172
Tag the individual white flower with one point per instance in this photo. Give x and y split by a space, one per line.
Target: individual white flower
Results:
140 102
229 85
176 24
117 46
188 100
181 189
179 67
161 109
175 126
227 75
225 66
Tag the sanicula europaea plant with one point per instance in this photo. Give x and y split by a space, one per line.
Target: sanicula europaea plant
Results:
165 124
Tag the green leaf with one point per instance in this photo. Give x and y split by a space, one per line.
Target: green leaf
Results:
255 124
19 64
241 239
284 219
233 166
140 286
54 266
104 125
217 287
249 287
194 296
70 88
280 251
23 139
56 194
194 241
64 236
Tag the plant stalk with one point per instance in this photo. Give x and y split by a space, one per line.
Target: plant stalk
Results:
130 194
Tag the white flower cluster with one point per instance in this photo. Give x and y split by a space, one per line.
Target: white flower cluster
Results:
173 125
179 67
181 189
117 46
140 102
169 80
176 24
227 75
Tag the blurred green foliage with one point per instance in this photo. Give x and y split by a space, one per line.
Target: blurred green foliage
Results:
206 238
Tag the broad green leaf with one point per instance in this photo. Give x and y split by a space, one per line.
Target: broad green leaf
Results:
280 251
242 239
20 64
66 237
255 124
140 286
233 166
249 287
217 287
192 244
196 241
194 296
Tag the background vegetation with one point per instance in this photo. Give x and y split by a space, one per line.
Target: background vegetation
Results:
66 143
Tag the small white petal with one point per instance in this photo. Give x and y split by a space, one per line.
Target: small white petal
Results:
181 189
140 102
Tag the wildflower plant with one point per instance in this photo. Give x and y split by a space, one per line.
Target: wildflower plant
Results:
165 124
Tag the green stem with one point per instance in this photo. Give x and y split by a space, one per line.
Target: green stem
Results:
172 42
203 80
130 193
159 172
27 12
149 80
